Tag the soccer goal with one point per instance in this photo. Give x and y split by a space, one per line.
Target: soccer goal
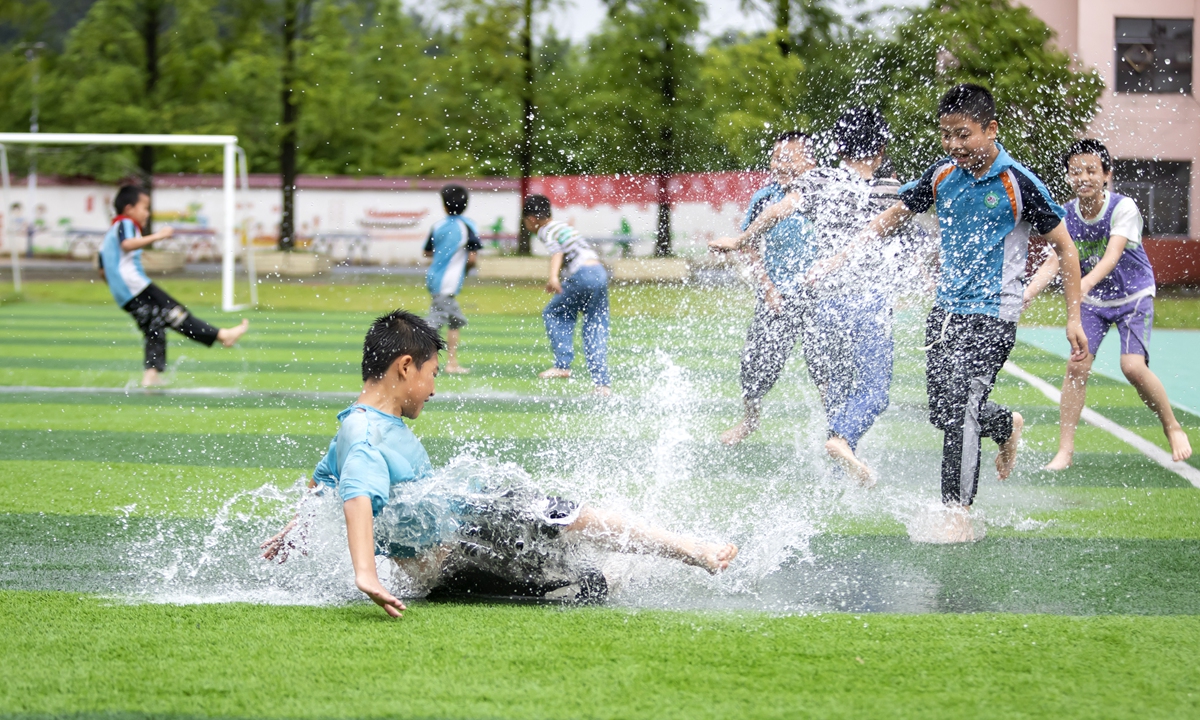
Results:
234 169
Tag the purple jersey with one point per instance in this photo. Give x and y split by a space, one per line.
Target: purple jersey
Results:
1131 278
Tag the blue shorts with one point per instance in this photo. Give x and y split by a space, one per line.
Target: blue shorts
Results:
1133 320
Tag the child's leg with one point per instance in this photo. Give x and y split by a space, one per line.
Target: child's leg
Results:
769 342
613 531
1152 392
595 325
559 317
1070 407
452 350
870 353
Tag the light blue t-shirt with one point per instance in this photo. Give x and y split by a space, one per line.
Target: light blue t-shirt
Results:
789 248
123 269
372 452
450 241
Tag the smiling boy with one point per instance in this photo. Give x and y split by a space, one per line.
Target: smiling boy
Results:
988 205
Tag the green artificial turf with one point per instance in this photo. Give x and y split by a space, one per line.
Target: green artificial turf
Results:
76 655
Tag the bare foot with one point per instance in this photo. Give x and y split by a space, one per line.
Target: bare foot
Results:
555 374
1006 459
457 369
602 391
1061 461
712 557
229 336
739 432
958 526
840 451
1181 448
152 378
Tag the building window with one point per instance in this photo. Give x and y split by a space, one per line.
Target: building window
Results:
1154 56
1160 190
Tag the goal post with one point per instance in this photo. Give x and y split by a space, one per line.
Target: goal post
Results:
231 158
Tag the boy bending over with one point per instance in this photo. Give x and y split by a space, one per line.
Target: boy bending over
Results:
380 470
151 307
1118 289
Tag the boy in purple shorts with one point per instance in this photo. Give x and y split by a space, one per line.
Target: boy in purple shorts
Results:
1118 289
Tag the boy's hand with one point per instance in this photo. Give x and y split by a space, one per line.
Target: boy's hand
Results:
1078 339
773 298
1086 285
384 599
723 245
825 267
279 546
165 233
553 286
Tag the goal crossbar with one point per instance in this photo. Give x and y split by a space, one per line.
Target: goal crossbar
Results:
233 156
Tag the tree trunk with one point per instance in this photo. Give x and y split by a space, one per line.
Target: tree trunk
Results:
524 246
150 39
666 160
287 140
783 23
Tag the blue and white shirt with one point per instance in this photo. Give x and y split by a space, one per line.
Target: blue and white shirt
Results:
789 248
450 241
985 226
371 452
123 270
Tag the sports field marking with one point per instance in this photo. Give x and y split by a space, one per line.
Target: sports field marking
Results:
1092 417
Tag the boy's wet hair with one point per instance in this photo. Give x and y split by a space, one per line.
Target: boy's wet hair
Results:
126 196
537 206
1088 147
974 101
394 335
861 132
454 199
791 135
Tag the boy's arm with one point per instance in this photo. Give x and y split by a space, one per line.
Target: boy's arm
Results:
767 219
553 286
474 245
1041 278
1061 241
1112 255
427 251
134 243
360 532
881 226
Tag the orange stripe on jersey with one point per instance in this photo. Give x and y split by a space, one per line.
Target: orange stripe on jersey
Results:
942 175
1006 178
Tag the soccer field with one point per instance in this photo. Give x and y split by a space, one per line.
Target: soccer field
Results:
130 587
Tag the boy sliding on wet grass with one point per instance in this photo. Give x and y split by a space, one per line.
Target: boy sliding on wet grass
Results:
987 206
151 307
1118 289
377 465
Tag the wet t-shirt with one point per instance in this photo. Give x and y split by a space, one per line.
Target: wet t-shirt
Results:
372 452
788 247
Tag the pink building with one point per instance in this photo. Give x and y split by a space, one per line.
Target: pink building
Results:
1149 115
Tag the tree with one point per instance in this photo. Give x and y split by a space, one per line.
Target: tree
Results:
295 17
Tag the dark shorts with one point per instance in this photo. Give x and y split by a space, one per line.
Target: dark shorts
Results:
444 310
1134 320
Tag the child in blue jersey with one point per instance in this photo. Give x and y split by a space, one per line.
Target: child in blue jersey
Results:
454 246
582 290
384 478
987 206
151 307
1118 289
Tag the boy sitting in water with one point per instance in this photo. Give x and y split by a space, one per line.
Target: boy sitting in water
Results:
377 464
1117 288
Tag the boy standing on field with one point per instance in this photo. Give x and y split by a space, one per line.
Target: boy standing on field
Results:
987 206
151 307
454 246
1118 289
583 290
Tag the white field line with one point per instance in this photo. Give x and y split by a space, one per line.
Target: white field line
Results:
1092 417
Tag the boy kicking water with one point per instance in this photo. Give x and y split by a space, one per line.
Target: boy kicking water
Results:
582 290
383 475
987 206
1118 289
151 307
453 245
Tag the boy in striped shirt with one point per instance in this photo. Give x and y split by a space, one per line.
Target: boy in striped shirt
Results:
583 290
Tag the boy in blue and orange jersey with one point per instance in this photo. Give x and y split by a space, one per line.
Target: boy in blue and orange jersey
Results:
151 307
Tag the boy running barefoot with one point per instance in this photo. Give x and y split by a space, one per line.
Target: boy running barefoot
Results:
987 206
378 466
1118 289
151 307
454 246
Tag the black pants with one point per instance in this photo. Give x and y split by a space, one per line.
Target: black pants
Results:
154 311
964 355
769 343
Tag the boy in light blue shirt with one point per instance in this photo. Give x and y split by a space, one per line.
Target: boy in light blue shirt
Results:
454 246
437 531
